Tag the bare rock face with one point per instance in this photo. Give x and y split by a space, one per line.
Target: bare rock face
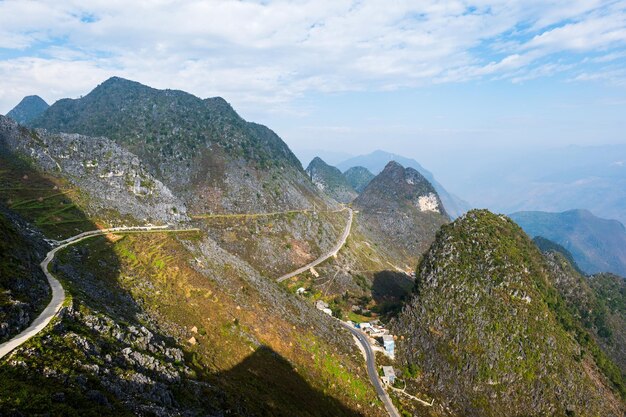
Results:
110 175
490 334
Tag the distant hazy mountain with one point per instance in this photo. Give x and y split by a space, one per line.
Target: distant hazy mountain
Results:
358 177
377 160
330 157
330 180
28 109
592 178
597 245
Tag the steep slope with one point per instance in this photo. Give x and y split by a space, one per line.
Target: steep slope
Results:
358 178
488 333
590 307
23 288
546 245
597 245
377 160
111 179
158 324
330 180
28 109
400 211
201 149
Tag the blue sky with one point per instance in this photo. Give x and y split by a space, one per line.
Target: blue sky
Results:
432 80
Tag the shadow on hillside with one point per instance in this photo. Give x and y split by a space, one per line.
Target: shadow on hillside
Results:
278 390
390 289
264 384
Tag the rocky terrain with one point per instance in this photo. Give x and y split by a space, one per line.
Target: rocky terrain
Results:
200 149
330 181
358 178
401 211
597 245
489 335
114 179
193 323
163 324
28 109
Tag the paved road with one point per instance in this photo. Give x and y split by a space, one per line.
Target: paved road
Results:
372 372
332 252
58 294
253 215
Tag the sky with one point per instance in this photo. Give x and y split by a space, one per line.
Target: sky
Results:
438 81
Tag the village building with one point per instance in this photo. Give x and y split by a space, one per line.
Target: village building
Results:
389 344
389 375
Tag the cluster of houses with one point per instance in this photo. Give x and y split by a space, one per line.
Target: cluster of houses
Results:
377 331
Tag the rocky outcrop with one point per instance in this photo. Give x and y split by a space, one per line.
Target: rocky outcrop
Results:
200 149
111 176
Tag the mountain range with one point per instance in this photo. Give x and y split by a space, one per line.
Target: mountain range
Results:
597 245
377 160
554 180
193 319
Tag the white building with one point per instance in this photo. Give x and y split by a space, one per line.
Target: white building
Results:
389 345
389 375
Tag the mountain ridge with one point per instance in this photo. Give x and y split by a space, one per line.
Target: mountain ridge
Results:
377 160
28 109
597 244
201 149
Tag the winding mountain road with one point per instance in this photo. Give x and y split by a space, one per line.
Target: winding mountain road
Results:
370 359
332 252
58 294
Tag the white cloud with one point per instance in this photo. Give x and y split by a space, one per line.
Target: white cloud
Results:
259 53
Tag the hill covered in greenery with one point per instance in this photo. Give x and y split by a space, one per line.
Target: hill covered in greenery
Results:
201 149
28 109
358 178
488 333
330 180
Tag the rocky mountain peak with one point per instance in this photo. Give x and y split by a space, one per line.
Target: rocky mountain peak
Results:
28 109
330 180
398 188
358 177
200 149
